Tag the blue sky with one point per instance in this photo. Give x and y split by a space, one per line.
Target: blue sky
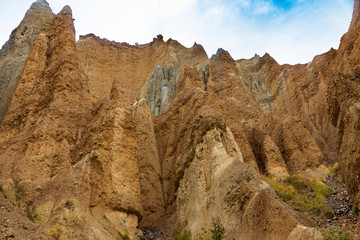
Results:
292 31
284 4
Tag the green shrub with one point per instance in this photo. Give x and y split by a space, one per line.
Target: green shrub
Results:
182 233
217 230
356 210
20 192
33 215
306 196
334 233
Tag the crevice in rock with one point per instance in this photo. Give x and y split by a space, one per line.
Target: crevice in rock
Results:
256 140
162 89
204 74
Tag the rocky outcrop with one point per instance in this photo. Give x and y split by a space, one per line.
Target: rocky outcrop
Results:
259 221
203 164
216 183
52 70
298 91
268 155
164 82
151 192
343 101
15 52
153 73
297 147
303 233
107 63
162 89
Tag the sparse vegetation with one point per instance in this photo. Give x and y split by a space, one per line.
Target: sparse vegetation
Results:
20 191
123 235
217 230
334 169
342 183
56 232
334 233
33 215
182 233
306 196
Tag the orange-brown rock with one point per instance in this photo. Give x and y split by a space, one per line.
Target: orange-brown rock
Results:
108 137
15 52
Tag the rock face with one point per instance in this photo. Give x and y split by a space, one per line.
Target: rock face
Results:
107 137
15 52
162 89
343 103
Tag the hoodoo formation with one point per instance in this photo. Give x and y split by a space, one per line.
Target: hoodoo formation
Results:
106 140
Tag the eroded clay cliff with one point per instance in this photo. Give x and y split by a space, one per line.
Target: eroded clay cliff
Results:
15 52
108 138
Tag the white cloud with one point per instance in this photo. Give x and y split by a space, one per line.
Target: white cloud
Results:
262 7
244 3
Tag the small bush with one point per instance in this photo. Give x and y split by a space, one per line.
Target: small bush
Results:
56 232
33 215
217 230
306 196
334 169
20 192
182 233
334 233
342 183
124 235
